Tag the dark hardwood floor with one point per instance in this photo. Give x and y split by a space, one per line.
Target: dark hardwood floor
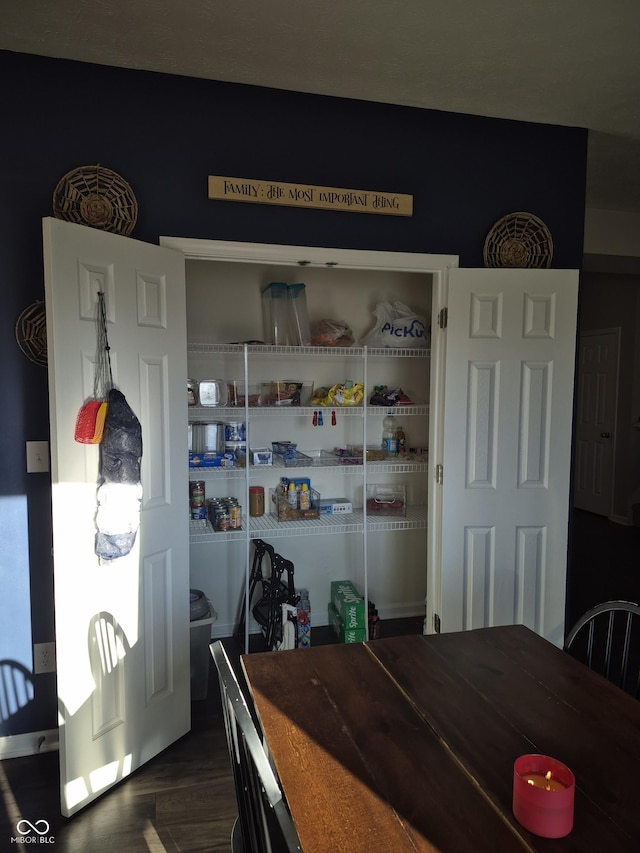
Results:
183 801
605 564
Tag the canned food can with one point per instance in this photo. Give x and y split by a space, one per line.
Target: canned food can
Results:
196 493
213 508
223 521
235 516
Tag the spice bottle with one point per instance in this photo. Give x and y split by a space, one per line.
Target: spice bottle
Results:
305 497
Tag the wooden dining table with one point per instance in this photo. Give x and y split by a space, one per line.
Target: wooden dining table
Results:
408 743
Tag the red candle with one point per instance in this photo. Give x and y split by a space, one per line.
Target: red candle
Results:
543 794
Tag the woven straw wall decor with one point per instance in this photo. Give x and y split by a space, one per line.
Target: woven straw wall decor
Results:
518 240
98 197
31 333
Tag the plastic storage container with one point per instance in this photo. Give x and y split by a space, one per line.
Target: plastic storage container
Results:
299 331
212 392
285 511
386 500
202 616
237 395
275 313
286 392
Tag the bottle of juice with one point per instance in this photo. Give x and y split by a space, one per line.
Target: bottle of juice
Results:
402 440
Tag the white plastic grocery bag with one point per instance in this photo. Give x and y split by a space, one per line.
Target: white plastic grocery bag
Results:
397 326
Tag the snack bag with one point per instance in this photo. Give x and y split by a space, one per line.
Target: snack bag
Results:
397 326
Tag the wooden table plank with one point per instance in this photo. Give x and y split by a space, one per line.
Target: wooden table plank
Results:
360 769
494 694
570 712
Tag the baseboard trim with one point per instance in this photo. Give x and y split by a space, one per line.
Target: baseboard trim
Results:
408 610
621 519
31 743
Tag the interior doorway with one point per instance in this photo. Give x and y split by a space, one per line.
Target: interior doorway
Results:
598 371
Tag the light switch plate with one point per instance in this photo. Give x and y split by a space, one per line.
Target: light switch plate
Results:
37 457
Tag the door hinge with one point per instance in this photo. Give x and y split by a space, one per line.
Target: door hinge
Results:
439 474
443 317
436 623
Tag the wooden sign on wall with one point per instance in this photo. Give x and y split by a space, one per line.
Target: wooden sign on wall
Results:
305 195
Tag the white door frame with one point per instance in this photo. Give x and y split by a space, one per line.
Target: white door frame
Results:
616 330
438 267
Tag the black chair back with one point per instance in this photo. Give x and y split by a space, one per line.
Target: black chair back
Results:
263 817
607 640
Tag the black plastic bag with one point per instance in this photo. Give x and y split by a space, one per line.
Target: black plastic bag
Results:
120 490
121 448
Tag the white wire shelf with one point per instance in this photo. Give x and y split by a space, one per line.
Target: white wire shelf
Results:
216 473
341 352
268 526
209 414
419 465
350 465
413 409
202 531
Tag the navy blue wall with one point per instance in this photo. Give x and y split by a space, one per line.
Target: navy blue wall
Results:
165 135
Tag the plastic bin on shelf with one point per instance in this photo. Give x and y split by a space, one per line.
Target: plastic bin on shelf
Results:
202 616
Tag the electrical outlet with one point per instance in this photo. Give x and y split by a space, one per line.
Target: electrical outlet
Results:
44 658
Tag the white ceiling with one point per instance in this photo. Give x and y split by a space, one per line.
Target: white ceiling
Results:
568 62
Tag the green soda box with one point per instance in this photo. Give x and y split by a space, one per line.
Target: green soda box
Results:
350 605
345 635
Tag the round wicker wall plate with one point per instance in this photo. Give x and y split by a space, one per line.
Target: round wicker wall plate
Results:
31 333
518 240
98 197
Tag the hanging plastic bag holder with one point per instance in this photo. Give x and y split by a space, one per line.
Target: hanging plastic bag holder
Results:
90 420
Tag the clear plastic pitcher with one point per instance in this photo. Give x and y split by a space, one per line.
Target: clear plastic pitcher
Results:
299 331
274 313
